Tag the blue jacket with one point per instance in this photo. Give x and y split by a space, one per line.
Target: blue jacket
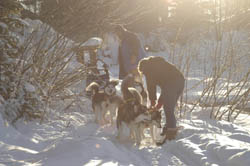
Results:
130 46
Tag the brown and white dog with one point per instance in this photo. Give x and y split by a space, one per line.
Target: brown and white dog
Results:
154 121
133 117
104 100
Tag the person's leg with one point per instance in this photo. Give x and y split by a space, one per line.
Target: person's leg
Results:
170 100
169 103
170 97
122 72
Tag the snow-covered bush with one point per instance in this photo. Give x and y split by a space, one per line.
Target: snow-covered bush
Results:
37 68
19 98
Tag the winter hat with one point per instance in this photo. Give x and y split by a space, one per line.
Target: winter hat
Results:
143 64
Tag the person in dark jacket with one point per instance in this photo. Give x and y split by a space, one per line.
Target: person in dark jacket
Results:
158 72
130 53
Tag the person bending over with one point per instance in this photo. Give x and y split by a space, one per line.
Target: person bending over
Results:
159 72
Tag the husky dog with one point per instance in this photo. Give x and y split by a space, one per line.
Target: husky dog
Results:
127 113
109 87
99 101
136 117
113 100
130 109
154 120
133 115
113 103
103 100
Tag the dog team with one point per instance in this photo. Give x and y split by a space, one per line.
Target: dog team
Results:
130 110
127 111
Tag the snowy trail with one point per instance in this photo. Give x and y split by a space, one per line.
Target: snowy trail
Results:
82 142
72 138
200 143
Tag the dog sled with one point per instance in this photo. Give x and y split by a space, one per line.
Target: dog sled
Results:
101 76
89 55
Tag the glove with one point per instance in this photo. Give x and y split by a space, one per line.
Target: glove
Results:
159 105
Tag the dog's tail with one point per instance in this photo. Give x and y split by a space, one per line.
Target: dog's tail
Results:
93 87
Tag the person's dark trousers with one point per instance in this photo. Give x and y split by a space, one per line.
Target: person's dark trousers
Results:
122 72
169 96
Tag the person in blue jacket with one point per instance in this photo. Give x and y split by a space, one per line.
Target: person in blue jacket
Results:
130 53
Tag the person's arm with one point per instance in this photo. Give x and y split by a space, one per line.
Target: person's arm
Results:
134 43
136 48
125 56
133 59
159 103
131 48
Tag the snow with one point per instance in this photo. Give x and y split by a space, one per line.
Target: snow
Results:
94 41
71 137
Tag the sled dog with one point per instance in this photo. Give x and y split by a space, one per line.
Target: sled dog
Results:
132 114
136 117
104 100
155 120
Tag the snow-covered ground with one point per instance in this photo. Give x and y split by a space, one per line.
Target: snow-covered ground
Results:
73 138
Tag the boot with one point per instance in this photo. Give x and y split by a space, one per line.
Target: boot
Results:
169 132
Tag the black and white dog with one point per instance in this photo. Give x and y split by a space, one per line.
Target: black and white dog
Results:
136 118
127 126
104 100
154 120
132 114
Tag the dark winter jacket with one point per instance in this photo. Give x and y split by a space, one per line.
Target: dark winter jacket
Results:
130 46
159 72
